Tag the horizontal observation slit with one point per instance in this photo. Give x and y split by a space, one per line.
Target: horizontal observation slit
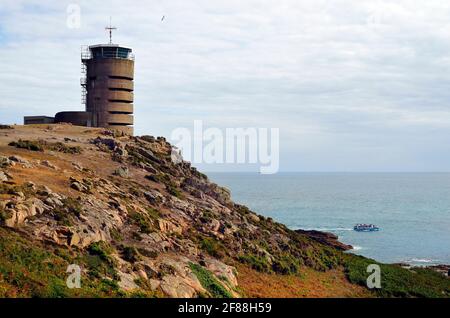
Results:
114 89
120 101
121 77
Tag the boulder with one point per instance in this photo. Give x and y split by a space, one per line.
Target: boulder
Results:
221 194
48 164
18 159
80 185
253 217
110 143
19 212
154 197
127 282
214 225
77 166
122 172
142 274
6 162
176 287
222 270
166 226
3 176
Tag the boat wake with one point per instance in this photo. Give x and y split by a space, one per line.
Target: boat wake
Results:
328 229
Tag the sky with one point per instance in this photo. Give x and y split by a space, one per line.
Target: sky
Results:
352 85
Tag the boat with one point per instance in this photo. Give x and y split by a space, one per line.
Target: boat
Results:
366 228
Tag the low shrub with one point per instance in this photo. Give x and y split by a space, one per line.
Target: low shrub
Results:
153 213
32 145
29 269
210 282
116 235
40 145
61 147
397 281
130 254
286 265
175 192
212 247
99 261
145 226
65 213
4 215
257 263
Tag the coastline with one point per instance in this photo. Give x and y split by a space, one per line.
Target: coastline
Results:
332 239
333 202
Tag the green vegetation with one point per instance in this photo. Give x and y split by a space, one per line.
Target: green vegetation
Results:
153 213
14 189
207 216
147 253
210 282
101 249
286 265
175 191
286 258
40 145
397 281
165 179
61 147
166 269
147 290
212 247
116 235
144 224
64 214
257 263
143 155
309 253
27 269
130 254
100 262
199 174
242 209
32 145
153 177
4 215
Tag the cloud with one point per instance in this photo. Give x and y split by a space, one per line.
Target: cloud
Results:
352 85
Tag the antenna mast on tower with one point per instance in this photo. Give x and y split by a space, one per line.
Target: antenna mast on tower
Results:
110 29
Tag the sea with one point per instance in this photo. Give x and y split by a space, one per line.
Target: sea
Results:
412 209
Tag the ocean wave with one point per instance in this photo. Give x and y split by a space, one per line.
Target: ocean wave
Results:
357 248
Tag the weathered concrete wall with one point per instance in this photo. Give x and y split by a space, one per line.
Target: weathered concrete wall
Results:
75 118
110 93
30 120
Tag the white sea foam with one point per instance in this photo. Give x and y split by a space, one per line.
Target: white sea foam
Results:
357 248
422 260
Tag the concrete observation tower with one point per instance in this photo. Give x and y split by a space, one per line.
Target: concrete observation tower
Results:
107 86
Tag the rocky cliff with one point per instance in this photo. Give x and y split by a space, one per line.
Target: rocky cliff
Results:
136 223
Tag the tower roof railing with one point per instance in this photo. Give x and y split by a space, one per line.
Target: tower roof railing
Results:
87 52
